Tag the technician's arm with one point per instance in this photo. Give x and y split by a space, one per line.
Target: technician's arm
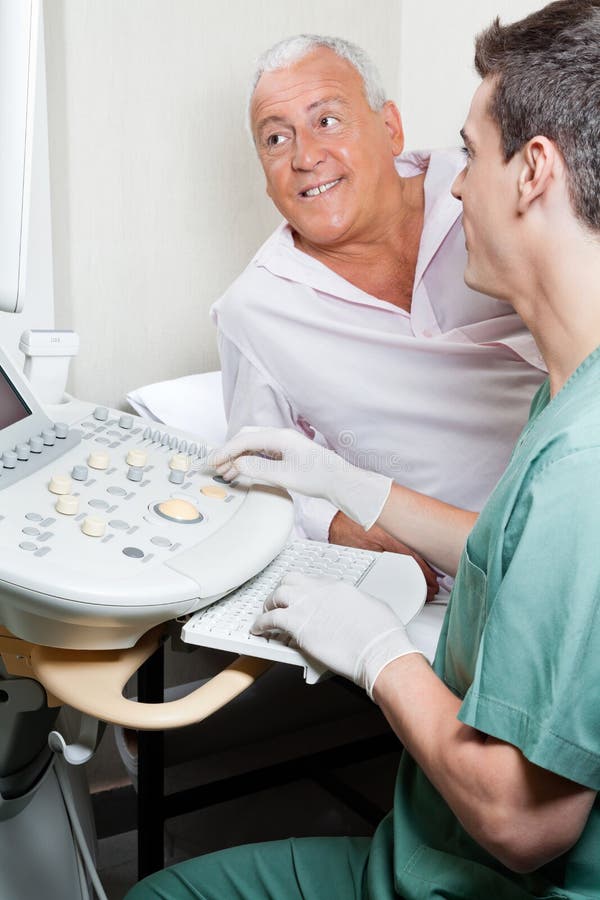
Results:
522 814
435 530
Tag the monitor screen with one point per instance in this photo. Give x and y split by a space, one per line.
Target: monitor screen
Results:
12 406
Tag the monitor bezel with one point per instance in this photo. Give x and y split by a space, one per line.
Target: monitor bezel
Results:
22 430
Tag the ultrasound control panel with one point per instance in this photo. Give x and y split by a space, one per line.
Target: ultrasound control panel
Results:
110 524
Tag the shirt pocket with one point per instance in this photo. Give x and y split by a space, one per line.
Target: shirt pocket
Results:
467 616
432 875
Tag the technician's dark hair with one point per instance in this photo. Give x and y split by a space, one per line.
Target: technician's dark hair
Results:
546 69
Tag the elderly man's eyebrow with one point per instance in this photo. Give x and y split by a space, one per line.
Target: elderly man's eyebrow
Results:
269 120
325 101
282 120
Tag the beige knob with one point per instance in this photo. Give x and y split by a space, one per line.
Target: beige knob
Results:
180 462
68 505
180 510
60 484
93 526
214 491
137 458
98 459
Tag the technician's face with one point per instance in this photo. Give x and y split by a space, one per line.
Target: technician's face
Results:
326 154
487 187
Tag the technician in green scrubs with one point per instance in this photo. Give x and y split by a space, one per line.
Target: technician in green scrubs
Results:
496 795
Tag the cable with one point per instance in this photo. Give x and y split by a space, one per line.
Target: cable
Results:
67 794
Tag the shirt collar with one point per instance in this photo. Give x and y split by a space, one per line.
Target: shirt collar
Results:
280 256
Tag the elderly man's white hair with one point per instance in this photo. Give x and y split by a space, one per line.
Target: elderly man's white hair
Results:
288 51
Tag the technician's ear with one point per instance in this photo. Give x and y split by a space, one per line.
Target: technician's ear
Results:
540 159
393 123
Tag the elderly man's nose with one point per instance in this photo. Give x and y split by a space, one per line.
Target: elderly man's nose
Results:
308 152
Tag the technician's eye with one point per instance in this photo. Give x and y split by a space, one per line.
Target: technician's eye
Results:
327 121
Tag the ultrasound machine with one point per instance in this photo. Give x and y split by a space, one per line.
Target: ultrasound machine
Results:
112 528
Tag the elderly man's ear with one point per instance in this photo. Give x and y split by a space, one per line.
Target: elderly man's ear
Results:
393 122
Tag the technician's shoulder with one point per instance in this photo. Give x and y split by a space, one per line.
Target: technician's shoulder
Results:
568 426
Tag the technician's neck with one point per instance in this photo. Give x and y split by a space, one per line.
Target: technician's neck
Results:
562 307
382 261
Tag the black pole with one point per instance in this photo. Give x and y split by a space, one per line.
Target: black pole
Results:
150 796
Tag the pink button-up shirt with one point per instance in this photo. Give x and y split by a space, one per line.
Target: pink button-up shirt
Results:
434 398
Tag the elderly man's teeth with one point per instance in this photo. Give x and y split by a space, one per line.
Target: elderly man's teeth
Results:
321 189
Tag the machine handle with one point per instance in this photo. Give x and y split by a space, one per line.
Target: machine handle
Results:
92 681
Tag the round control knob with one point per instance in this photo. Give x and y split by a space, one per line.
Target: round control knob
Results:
147 433
174 443
61 429
101 413
48 437
60 484
176 476
23 451
98 459
134 473
126 421
180 461
93 526
80 473
193 449
67 504
36 444
9 459
183 446
137 458
178 510
156 437
165 440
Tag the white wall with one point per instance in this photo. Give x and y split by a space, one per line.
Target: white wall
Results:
437 76
157 199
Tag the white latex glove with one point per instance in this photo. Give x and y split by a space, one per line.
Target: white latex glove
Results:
298 464
351 633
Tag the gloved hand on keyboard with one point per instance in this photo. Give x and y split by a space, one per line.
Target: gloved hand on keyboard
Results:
298 464
351 633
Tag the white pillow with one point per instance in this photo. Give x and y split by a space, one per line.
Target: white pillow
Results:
192 403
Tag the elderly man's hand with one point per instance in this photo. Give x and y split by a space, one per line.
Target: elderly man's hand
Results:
350 632
344 531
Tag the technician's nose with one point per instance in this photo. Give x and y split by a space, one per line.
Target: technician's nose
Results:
456 189
308 152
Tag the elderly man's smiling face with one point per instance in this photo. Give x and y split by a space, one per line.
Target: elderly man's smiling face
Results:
327 156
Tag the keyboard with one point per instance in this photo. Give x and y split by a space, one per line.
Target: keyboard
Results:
225 625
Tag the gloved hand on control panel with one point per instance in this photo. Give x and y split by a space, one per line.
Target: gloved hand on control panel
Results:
290 460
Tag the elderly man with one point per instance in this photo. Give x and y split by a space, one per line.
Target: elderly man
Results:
352 324
496 795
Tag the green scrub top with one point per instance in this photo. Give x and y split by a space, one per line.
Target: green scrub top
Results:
521 647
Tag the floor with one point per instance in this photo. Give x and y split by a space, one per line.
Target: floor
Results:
300 808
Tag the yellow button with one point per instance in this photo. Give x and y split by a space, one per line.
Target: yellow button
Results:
180 462
179 509
98 459
213 490
93 526
137 458
60 484
67 504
